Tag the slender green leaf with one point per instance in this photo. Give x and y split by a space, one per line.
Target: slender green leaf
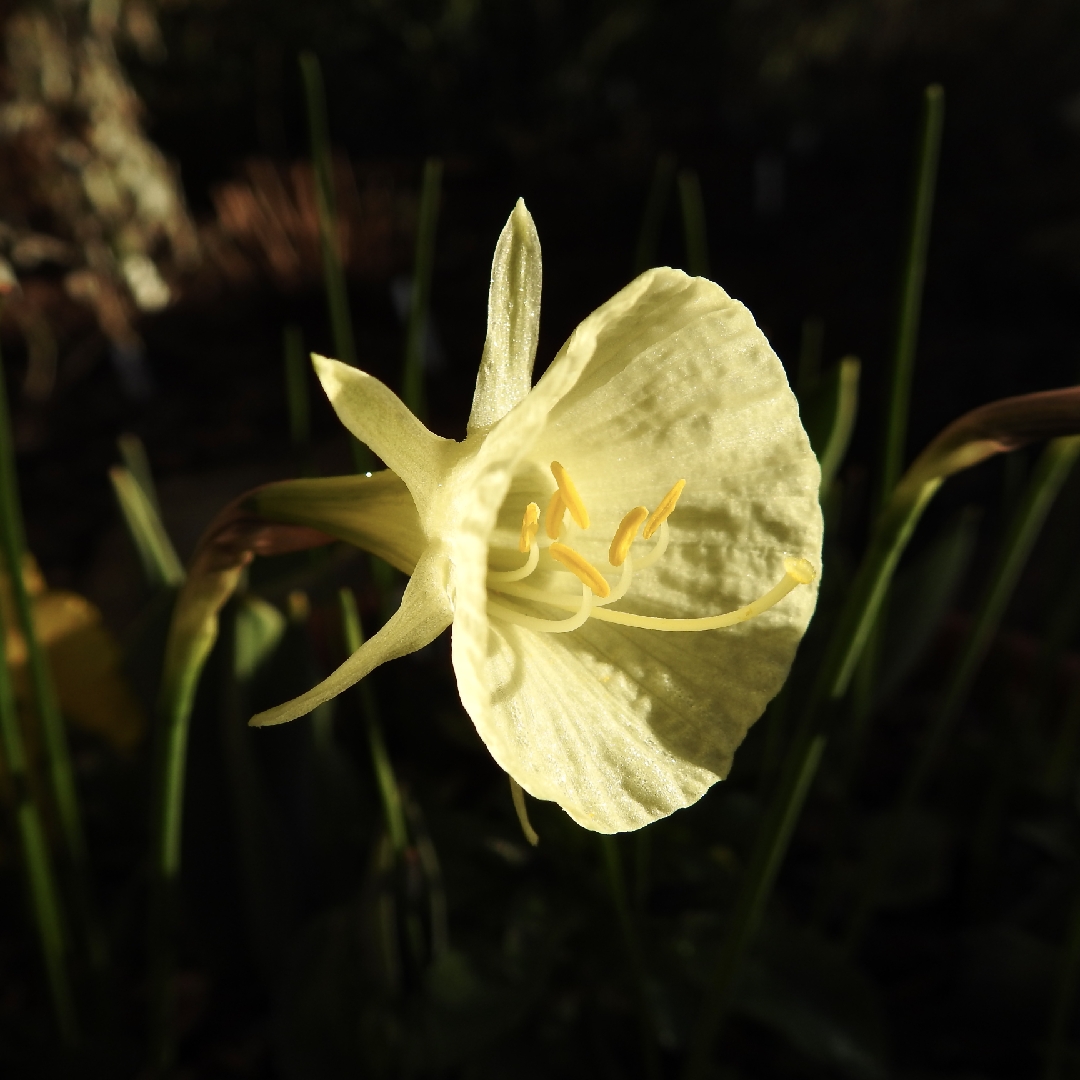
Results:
993 429
160 563
829 417
749 910
387 783
134 456
911 292
337 293
46 906
613 867
59 768
693 216
1054 466
924 592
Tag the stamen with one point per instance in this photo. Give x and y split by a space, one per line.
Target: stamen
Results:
545 626
518 795
663 511
623 586
625 535
530 523
553 515
796 572
584 570
570 496
657 551
498 577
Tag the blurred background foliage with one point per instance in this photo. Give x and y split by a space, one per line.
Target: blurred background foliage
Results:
159 210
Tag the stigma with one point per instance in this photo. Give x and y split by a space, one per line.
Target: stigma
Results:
597 593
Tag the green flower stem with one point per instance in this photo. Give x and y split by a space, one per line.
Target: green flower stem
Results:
389 792
992 429
57 754
635 961
1057 1043
337 294
693 215
212 580
45 903
420 298
647 249
1050 473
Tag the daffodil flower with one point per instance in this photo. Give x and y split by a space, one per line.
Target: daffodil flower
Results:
626 552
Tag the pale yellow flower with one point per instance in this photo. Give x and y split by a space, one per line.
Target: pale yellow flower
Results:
604 704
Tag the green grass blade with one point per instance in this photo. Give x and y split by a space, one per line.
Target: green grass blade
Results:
296 387
647 249
133 455
989 430
160 563
911 292
337 293
1053 468
57 753
420 298
616 879
693 216
389 792
829 416
765 863
45 903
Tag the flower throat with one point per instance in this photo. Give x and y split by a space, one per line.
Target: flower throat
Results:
597 593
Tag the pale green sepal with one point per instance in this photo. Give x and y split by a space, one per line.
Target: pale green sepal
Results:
375 512
425 612
259 629
381 420
513 328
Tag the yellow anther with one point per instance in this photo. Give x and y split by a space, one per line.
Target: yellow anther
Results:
625 535
581 568
530 523
553 515
663 511
570 496
801 570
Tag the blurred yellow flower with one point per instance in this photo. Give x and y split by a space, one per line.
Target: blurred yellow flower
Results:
84 658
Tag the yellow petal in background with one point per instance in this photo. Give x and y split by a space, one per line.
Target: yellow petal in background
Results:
85 659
